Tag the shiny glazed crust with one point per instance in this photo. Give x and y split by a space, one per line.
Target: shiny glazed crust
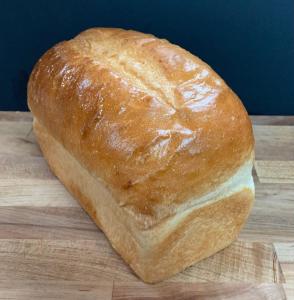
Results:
155 130
163 250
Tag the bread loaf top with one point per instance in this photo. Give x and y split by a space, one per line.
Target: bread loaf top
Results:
150 120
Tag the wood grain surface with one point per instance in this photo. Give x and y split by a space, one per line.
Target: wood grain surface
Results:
50 249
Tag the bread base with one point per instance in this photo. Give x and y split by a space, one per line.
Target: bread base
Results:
162 250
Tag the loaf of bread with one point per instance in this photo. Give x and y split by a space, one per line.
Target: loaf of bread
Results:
151 141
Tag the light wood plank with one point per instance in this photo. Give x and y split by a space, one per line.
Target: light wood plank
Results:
285 252
289 291
63 289
272 216
60 260
274 142
199 291
24 168
20 129
17 231
272 120
275 171
17 139
279 196
19 146
46 216
35 193
288 273
55 289
90 260
16 116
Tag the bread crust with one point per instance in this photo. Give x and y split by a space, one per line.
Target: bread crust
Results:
151 120
150 140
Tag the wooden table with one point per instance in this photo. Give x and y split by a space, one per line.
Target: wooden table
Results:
49 247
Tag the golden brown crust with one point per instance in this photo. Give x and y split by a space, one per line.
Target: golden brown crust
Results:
151 120
163 250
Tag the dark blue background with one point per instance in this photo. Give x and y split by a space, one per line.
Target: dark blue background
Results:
250 43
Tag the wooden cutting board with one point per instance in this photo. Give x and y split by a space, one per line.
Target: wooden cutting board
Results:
49 247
